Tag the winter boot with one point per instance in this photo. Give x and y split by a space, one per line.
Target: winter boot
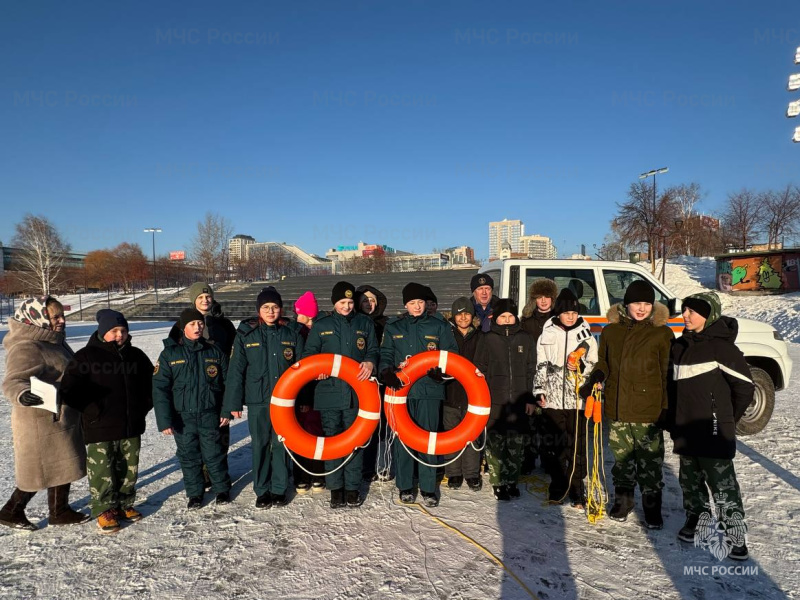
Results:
194 503
429 499
337 498
318 485
686 534
651 503
107 522
407 496
264 500
13 513
455 482
353 498
223 498
279 500
513 490
302 487
475 483
129 514
623 504
739 553
501 493
60 511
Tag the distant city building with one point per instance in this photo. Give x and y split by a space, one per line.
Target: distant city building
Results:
279 258
237 246
538 246
461 255
342 253
419 262
505 231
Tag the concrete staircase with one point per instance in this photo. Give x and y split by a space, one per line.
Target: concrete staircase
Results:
239 300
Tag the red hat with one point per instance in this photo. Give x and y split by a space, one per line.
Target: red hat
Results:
306 305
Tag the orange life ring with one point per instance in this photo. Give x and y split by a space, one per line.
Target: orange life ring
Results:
445 442
297 439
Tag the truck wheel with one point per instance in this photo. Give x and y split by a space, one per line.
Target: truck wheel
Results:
759 412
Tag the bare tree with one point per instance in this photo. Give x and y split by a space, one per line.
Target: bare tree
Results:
42 252
780 213
741 217
644 219
209 247
686 197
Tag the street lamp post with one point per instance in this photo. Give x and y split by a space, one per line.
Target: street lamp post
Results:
654 172
154 231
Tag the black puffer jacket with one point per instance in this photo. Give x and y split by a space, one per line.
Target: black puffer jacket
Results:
505 355
112 387
455 394
219 330
710 388
535 323
378 318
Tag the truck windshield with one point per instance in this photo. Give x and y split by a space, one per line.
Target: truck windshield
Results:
580 281
618 281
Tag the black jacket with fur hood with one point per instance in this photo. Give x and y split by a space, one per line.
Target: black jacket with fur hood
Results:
634 359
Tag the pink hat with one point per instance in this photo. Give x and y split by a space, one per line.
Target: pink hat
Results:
306 305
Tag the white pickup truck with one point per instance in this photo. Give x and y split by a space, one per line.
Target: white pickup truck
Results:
601 284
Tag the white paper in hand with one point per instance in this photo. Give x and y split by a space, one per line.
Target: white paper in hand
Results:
47 392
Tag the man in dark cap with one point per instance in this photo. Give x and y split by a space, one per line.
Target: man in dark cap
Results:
349 333
262 351
414 332
482 286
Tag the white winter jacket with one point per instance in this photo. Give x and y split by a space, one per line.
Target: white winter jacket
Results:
553 380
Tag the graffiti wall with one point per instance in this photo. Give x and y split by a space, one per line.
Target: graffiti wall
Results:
764 272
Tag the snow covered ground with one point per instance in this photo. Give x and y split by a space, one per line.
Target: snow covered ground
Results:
384 550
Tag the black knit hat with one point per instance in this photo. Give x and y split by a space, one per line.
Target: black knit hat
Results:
463 305
701 307
431 296
188 315
268 294
107 319
566 302
480 279
342 291
639 291
414 291
504 305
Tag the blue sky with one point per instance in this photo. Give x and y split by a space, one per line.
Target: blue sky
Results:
411 124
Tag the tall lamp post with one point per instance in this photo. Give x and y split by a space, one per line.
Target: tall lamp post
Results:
794 107
654 172
154 231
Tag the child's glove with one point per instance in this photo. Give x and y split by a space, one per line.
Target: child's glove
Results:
390 379
436 374
30 399
586 389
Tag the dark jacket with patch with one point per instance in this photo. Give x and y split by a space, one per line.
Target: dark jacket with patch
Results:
218 330
455 394
406 336
710 388
352 336
634 358
261 353
534 324
112 387
505 355
189 378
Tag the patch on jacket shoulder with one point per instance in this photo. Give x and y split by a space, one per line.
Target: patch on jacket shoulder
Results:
176 362
361 343
212 370
321 333
431 345
288 353
252 345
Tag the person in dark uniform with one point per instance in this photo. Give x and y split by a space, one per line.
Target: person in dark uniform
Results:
414 332
350 334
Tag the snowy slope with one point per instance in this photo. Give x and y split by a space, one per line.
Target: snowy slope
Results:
384 550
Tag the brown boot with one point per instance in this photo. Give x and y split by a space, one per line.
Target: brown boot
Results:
60 512
13 513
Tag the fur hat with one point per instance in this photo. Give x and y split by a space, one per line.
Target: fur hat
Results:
268 294
541 288
414 291
199 288
566 302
